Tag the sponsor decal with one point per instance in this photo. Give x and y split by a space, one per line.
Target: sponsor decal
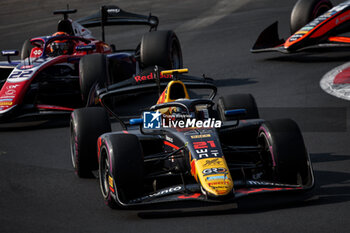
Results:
301 32
8 103
7 96
218 183
201 136
211 171
216 178
342 19
2 100
307 29
113 11
169 138
10 92
140 78
207 153
213 162
36 52
265 183
163 192
26 67
12 86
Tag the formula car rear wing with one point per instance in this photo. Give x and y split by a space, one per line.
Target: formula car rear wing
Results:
113 15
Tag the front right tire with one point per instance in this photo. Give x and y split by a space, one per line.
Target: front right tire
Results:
284 153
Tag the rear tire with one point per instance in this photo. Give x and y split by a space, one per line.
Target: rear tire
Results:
237 101
26 49
92 71
284 151
87 124
161 48
305 11
124 166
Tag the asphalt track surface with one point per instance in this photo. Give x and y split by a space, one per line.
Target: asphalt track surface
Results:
40 193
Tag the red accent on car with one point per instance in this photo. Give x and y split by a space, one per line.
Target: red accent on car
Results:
126 132
331 24
258 190
186 196
343 77
341 39
36 52
99 144
112 189
193 167
324 27
140 78
51 107
170 144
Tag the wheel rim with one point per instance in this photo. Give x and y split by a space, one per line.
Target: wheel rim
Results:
104 173
73 145
320 10
267 155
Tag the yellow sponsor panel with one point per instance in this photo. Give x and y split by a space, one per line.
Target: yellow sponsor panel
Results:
301 32
5 103
201 136
214 175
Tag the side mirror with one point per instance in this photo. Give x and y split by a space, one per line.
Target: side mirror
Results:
236 112
9 53
136 121
86 48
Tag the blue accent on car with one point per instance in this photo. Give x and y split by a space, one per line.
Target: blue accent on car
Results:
136 121
235 112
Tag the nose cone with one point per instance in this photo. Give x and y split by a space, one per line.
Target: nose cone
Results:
10 95
214 176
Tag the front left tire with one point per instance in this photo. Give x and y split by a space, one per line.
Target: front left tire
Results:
86 125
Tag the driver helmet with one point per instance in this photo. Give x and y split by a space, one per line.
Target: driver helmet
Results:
61 47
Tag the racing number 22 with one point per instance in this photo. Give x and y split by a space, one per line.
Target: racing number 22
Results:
21 74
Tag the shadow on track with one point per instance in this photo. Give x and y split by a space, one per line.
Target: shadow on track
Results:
330 187
320 55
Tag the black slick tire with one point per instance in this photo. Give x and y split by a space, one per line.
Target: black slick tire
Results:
284 151
86 125
120 172
305 11
161 48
